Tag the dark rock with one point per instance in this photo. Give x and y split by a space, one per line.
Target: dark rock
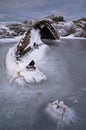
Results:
58 19
17 28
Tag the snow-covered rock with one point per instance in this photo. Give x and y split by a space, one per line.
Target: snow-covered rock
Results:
63 32
10 30
78 32
65 28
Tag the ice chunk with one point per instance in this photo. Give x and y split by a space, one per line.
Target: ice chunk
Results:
60 113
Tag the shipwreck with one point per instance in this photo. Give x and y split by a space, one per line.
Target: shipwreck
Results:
27 54
46 31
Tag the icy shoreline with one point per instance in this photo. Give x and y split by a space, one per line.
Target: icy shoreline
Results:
17 38
72 37
7 40
66 29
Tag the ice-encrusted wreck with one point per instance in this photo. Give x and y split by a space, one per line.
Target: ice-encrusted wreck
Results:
23 59
46 31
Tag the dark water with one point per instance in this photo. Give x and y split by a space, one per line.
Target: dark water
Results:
23 108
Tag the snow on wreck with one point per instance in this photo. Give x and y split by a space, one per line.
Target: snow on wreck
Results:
25 56
46 31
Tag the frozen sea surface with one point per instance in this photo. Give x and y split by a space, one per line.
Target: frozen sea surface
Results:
23 108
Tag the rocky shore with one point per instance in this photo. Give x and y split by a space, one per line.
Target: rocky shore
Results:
76 28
